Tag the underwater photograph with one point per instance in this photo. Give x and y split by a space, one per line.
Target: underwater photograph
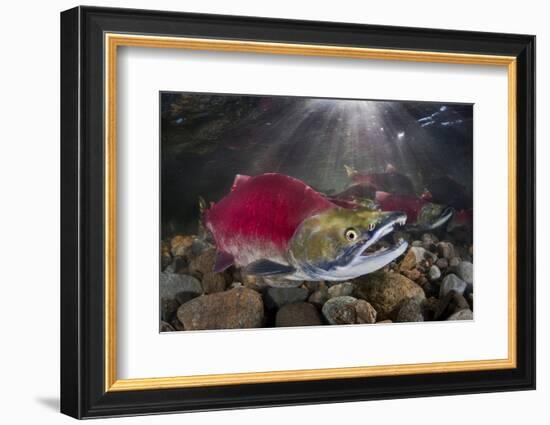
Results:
280 211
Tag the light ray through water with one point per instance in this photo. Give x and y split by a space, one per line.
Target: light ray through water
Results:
208 139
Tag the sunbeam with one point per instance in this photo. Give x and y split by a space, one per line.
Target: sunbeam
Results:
208 139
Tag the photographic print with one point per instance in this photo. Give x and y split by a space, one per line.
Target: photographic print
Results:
281 211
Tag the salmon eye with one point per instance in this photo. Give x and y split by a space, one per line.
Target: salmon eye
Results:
351 234
371 227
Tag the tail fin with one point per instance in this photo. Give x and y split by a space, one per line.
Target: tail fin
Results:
239 180
202 233
390 168
202 206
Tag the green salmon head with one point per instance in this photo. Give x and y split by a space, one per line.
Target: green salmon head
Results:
332 245
432 216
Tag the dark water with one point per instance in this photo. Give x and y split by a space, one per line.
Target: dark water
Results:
207 139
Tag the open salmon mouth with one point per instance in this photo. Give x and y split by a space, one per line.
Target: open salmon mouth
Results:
383 247
375 251
375 245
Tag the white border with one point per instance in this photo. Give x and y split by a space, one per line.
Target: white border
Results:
142 352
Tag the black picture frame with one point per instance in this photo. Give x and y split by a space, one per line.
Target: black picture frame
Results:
83 392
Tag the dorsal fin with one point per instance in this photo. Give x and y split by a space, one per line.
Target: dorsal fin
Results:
381 196
239 179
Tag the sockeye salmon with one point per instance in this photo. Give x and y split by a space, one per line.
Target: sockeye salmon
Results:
276 225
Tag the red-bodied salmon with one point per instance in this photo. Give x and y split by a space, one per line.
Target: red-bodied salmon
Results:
276 225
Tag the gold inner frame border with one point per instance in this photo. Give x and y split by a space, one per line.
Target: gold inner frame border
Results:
113 40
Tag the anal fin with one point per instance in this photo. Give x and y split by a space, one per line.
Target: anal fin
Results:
223 261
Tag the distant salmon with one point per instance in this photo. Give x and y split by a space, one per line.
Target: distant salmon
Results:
389 181
276 225
422 214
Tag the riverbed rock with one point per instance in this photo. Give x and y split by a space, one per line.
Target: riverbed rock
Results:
408 262
179 245
171 284
459 303
387 291
182 297
410 311
278 297
364 312
466 314
252 282
454 262
422 254
320 296
213 282
434 273
198 247
443 308
465 271
450 304
340 310
165 256
204 262
429 242
452 282
181 265
470 299
168 308
234 309
169 268
429 308
341 289
445 250
298 314
177 325
463 252
442 263
431 289
413 274
166 327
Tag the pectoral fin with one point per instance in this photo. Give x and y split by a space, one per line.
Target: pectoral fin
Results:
268 268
